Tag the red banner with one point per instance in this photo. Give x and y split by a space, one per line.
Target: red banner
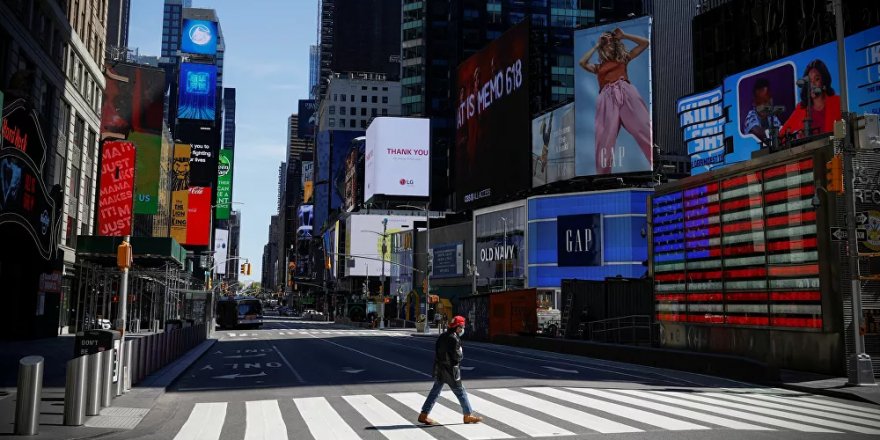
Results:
116 188
198 216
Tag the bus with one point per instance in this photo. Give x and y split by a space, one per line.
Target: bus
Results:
239 312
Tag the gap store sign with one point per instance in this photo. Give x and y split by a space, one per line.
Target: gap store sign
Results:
587 236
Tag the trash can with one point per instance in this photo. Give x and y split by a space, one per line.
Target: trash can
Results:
94 341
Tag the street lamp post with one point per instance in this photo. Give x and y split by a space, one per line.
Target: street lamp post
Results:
429 256
504 252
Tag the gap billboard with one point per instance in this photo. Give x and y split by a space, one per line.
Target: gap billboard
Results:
588 236
133 111
727 124
613 98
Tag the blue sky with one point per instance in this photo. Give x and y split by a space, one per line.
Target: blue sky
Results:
267 61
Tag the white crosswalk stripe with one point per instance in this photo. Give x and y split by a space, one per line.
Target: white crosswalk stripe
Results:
323 421
264 421
204 422
530 412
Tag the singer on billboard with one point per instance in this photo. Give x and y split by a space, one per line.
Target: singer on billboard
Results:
818 102
619 102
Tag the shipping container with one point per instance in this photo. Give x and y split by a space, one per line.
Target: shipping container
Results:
514 312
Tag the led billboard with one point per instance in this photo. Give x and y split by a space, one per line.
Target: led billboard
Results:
553 152
329 188
198 37
363 244
398 158
799 96
198 216
740 250
224 184
202 165
590 236
492 121
221 248
306 118
116 188
132 110
197 96
612 92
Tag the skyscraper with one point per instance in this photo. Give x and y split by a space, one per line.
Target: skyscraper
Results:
229 118
359 36
437 35
314 70
118 16
172 21
295 144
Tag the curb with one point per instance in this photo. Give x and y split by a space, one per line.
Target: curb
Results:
827 392
169 373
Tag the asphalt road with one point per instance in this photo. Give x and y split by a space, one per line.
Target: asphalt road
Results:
301 380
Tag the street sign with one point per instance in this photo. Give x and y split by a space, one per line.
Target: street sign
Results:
840 234
861 218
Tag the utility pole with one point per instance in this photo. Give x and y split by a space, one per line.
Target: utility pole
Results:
382 278
504 253
123 261
860 370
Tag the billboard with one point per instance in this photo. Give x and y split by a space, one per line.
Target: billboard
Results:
202 165
25 199
179 210
363 245
133 110
553 153
702 120
588 236
499 246
492 120
224 184
740 250
221 248
308 178
448 260
330 170
306 118
398 157
198 216
116 188
351 181
198 37
197 96
305 217
779 95
613 98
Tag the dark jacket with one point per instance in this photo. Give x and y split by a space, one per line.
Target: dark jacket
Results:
447 358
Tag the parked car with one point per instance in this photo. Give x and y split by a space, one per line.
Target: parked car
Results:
312 314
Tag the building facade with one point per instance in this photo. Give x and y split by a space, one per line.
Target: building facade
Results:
353 99
359 36
118 16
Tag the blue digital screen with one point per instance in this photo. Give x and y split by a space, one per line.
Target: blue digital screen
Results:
197 95
623 248
198 37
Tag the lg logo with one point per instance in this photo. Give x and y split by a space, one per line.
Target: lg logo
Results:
406 182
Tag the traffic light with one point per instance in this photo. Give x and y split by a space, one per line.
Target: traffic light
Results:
248 268
834 174
244 268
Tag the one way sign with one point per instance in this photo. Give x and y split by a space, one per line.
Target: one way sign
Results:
839 234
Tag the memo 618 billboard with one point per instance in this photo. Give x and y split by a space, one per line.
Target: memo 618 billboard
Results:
492 142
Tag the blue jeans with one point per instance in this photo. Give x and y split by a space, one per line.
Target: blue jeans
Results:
435 392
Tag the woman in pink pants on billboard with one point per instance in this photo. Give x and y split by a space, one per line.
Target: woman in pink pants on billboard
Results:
619 102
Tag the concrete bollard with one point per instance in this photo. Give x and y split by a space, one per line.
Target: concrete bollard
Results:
107 389
93 389
75 392
30 390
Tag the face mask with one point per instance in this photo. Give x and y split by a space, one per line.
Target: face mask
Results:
461 333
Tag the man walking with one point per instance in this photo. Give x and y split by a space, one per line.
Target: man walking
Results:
447 371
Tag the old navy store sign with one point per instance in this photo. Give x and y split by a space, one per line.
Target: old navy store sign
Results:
579 240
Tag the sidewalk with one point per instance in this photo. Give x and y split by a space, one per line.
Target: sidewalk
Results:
827 386
125 412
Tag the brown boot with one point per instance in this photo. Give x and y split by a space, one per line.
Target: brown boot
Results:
470 418
423 418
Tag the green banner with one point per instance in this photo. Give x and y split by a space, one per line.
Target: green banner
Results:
1 102
224 184
148 148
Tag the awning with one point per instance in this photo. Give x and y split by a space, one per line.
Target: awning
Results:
148 251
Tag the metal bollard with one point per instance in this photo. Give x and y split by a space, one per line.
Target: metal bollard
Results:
107 389
75 392
128 367
30 390
93 388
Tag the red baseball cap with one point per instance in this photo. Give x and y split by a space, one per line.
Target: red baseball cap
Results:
457 321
